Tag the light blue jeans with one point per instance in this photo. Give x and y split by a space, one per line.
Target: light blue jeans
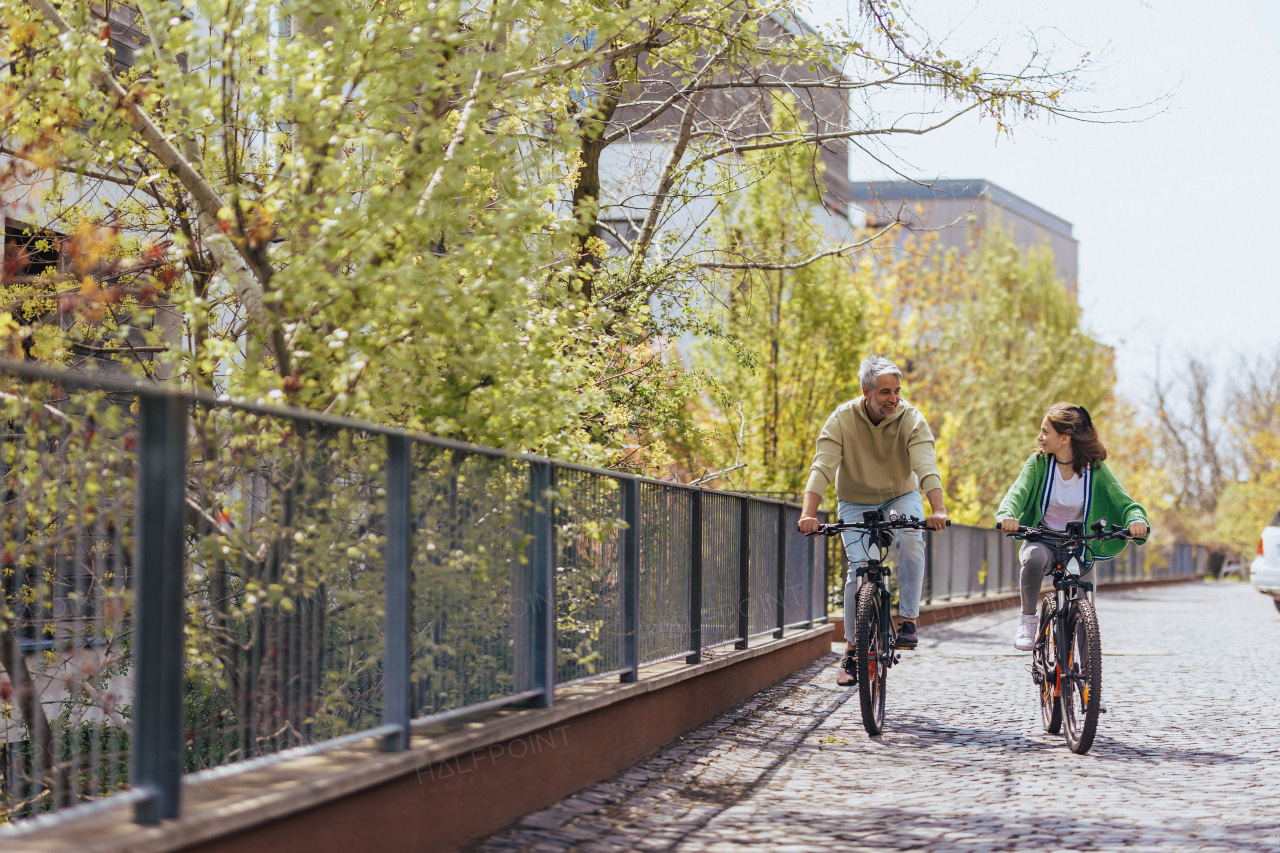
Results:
910 547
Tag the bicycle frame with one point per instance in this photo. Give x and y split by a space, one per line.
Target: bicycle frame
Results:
1068 587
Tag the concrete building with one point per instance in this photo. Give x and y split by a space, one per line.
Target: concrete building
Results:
958 210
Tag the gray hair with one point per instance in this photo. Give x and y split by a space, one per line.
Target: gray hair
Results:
872 368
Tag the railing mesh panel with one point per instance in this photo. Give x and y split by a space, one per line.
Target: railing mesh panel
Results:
798 564
285 584
764 568
589 535
468 542
66 633
666 541
721 528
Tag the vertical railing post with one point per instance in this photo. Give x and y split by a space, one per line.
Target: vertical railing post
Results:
396 699
827 563
780 602
631 580
744 573
808 611
536 654
928 566
986 561
695 582
159 585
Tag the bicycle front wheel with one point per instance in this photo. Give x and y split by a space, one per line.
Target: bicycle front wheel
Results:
871 663
1043 667
1082 678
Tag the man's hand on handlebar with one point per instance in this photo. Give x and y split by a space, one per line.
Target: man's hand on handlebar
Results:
938 520
1008 525
808 524
1138 529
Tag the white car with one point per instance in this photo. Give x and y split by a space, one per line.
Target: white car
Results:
1265 571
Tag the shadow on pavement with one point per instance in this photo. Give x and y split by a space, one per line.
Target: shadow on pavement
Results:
1108 749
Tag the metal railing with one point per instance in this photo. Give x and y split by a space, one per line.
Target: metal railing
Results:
191 583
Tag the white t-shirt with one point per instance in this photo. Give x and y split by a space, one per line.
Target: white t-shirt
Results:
1066 500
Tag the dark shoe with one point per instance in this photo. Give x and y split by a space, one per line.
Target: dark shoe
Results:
907 638
847 674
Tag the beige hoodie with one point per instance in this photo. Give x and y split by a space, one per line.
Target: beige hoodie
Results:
873 464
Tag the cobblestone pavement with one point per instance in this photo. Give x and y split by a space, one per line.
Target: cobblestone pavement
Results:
1187 757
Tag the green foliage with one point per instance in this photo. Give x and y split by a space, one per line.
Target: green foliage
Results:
791 333
391 212
986 343
1010 349
1249 504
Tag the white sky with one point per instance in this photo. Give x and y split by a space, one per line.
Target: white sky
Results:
1177 215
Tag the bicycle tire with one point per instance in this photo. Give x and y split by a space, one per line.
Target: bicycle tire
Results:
1044 657
1082 693
870 647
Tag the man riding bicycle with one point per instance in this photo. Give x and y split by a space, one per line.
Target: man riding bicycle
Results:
879 451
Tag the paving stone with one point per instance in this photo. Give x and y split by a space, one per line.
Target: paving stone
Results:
1186 758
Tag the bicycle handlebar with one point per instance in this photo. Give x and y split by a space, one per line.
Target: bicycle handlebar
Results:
1035 534
900 522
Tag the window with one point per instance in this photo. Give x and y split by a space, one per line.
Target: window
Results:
29 251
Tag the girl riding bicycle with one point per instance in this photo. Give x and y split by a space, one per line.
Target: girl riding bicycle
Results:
1065 480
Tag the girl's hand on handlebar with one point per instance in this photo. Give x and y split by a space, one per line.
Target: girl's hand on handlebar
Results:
808 524
937 521
1138 529
1008 525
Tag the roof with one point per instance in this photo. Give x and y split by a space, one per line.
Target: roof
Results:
975 188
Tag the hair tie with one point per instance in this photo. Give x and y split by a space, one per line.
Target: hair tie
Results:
1084 414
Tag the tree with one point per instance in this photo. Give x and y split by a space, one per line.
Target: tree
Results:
1223 480
667 137
790 328
1007 352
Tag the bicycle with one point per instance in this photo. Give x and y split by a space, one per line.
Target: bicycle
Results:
876 644
1066 662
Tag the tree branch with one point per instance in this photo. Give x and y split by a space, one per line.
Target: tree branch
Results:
817 256
665 183
237 269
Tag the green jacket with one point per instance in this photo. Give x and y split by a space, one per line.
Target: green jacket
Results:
1104 497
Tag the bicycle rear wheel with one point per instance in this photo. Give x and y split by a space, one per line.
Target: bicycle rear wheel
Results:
1042 664
871 666
1082 681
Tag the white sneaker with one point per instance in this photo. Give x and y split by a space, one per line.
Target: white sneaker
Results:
1025 641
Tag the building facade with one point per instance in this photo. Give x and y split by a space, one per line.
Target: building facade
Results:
958 211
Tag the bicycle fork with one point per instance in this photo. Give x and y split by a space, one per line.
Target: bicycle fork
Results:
888 637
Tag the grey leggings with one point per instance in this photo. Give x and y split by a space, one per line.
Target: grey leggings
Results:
1035 558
